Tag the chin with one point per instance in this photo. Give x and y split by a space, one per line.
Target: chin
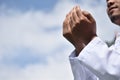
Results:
117 22
115 18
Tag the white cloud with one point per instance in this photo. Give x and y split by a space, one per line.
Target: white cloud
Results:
51 71
29 30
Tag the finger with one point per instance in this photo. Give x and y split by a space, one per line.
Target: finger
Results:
68 15
75 17
88 16
67 31
78 12
66 26
72 21
67 21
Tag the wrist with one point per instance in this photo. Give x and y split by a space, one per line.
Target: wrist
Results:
86 41
79 48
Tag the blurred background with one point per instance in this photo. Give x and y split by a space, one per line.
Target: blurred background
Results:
31 43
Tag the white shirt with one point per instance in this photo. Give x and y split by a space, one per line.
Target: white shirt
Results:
97 61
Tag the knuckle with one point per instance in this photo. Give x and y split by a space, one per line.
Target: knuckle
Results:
82 19
77 22
87 13
67 15
65 23
66 34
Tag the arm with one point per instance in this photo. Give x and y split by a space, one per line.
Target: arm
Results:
104 62
79 28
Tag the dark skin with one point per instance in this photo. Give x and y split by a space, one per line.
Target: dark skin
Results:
79 28
113 11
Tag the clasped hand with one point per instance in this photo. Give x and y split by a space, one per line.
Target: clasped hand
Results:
79 28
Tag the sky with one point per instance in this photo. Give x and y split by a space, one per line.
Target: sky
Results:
31 43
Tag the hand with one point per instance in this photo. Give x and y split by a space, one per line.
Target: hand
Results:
79 28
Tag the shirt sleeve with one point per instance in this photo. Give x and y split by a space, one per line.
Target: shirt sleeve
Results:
104 62
80 72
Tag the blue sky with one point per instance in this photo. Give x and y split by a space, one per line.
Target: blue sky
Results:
26 5
31 43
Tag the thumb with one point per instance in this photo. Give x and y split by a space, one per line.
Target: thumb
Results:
88 16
